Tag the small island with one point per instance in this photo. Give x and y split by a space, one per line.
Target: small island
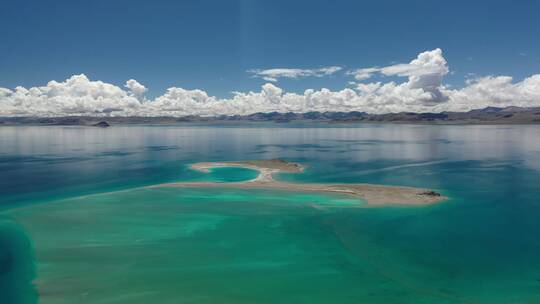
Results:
373 195
102 124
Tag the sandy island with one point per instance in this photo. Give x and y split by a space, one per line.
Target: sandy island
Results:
374 195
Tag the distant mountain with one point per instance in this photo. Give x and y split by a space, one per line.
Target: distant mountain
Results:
489 115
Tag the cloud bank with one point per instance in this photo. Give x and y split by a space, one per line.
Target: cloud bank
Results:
422 90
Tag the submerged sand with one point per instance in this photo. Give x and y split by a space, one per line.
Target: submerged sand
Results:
374 195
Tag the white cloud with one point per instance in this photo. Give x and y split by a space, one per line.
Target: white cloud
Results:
135 87
496 91
274 74
425 72
363 74
76 95
423 91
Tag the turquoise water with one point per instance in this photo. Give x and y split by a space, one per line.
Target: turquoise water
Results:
77 226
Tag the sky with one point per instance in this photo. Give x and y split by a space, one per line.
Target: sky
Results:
242 56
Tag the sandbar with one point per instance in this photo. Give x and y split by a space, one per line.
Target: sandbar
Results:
373 195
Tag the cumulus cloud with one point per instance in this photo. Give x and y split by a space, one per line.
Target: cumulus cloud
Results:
274 74
422 91
76 95
425 72
135 88
496 91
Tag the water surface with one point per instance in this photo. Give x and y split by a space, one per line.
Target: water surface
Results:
81 228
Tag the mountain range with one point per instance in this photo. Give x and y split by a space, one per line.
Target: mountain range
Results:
489 115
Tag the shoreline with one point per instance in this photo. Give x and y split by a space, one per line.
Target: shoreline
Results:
373 195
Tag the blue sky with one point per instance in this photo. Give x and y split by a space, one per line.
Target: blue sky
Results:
211 44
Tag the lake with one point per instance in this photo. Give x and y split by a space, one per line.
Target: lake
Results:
79 225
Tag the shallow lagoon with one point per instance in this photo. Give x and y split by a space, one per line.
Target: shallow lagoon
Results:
85 231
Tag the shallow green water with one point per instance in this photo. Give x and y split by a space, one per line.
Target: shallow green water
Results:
77 226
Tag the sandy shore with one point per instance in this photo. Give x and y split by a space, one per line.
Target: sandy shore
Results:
374 195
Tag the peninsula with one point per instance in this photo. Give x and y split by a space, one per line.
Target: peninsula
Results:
373 195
